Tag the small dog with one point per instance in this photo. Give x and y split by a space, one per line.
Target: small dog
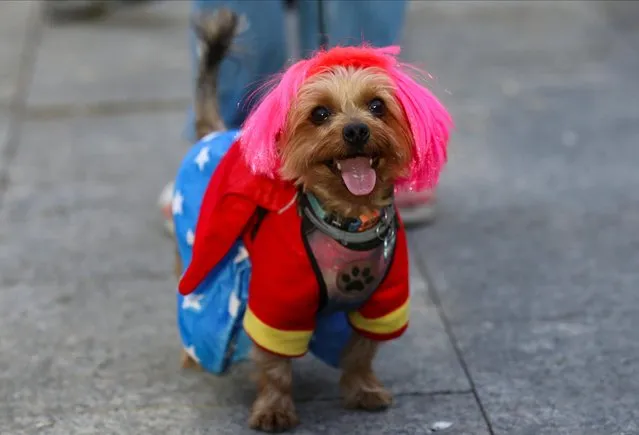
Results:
306 189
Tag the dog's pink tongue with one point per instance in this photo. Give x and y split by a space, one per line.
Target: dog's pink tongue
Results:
358 175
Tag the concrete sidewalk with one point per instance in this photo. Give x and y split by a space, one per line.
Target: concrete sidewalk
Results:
526 309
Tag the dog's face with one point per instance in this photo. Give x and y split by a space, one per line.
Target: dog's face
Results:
346 140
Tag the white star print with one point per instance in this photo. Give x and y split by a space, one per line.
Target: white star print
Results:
191 351
190 238
241 255
178 200
202 158
234 305
192 301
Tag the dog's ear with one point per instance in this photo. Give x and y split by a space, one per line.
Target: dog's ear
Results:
430 125
265 124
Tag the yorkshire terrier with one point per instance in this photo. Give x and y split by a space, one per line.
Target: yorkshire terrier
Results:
306 189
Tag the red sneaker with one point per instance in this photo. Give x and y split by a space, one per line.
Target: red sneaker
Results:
416 208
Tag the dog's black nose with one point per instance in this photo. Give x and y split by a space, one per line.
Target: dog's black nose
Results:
356 134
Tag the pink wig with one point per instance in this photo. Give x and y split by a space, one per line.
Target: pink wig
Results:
428 120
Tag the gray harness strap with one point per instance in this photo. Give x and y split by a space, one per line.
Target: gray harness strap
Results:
348 237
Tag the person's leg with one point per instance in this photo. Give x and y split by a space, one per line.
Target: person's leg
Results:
351 22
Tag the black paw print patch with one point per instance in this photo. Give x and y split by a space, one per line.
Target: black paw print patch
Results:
355 278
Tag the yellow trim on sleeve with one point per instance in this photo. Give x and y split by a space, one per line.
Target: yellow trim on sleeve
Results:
387 324
286 343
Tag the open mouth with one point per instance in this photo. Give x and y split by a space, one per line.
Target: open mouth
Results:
358 173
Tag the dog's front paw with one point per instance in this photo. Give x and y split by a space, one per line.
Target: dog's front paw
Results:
278 417
365 392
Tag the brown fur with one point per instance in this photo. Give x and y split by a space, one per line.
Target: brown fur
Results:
215 33
304 148
273 409
360 387
188 362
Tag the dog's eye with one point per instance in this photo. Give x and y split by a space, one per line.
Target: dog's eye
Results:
377 107
319 115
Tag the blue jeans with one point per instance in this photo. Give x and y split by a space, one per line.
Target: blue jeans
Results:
262 47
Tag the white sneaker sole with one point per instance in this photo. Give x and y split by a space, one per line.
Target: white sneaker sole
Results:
419 215
164 201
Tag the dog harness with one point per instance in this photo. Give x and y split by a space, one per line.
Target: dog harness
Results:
350 258
265 263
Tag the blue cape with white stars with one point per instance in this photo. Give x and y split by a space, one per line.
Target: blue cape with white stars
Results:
210 318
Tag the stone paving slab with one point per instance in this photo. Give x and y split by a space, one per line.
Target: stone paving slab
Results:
534 252
87 304
4 134
474 50
14 16
84 191
561 377
411 415
136 53
570 221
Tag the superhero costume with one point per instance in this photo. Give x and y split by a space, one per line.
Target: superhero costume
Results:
308 280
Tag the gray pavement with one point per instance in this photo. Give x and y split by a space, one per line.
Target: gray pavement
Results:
526 309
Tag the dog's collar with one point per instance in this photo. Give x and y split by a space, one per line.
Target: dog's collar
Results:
349 231
351 225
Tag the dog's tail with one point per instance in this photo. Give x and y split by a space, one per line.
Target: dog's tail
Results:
215 32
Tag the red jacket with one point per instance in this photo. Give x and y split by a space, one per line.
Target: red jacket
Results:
284 289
